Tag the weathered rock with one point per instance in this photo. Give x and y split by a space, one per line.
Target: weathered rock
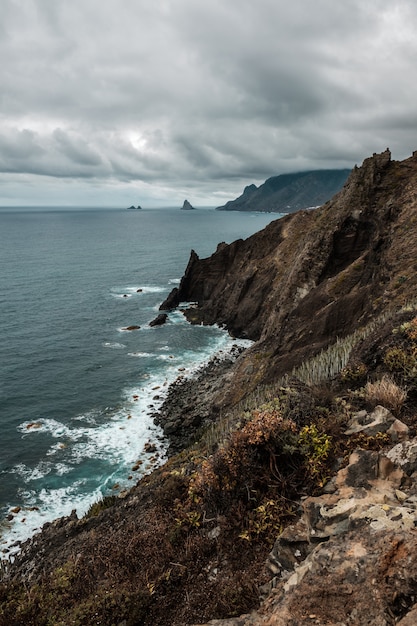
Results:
312 276
132 327
159 320
405 455
350 557
379 421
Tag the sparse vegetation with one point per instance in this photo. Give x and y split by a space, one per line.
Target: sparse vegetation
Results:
189 543
386 392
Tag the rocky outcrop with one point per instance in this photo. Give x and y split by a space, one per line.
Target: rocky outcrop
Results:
349 559
190 541
289 192
311 276
187 206
159 320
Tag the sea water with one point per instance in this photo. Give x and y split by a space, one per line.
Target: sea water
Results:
77 389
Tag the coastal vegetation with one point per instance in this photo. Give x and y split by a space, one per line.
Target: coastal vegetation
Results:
268 437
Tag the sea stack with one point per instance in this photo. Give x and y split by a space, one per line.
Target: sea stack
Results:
187 206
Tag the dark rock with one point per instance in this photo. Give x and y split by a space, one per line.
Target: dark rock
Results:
187 206
312 274
159 320
189 404
133 327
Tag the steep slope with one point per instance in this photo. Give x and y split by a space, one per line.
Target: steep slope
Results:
289 192
282 471
311 276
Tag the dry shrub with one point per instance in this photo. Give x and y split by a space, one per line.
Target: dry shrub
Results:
386 392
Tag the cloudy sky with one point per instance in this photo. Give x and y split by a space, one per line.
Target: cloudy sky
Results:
114 102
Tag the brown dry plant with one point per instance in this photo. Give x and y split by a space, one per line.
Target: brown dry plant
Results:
387 393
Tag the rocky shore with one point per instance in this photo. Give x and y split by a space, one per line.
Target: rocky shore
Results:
190 405
303 510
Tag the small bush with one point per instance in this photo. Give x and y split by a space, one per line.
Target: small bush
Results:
400 361
100 505
354 373
386 392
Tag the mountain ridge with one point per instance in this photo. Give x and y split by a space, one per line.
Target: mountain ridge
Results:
287 193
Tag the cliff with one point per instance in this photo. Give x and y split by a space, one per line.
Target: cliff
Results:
290 496
289 192
311 276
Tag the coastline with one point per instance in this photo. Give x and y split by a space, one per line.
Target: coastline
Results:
177 412
189 406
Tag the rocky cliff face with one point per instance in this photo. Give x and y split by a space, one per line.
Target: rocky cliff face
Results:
349 559
311 276
299 505
289 192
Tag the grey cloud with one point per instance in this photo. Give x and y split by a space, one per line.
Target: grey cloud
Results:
207 96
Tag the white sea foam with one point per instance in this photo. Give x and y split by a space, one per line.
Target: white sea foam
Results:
51 426
140 354
113 344
129 291
110 442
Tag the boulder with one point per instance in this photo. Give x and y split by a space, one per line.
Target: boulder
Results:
370 423
159 320
405 456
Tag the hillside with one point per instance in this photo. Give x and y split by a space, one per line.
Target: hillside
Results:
290 494
311 276
289 192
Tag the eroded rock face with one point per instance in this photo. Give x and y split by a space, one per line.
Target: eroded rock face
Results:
350 558
311 276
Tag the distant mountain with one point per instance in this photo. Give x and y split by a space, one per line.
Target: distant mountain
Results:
289 192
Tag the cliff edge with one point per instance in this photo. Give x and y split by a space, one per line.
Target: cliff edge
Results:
291 495
312 276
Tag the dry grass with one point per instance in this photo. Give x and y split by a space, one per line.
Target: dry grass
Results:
386 392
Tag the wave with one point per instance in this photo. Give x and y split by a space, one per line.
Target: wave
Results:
129 291
113 344
101 452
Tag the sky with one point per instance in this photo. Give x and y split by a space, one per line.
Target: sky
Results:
150 102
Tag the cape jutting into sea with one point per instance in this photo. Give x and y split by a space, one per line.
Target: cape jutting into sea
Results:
77 388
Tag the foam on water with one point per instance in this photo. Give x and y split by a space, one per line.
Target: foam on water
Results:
71 426
136 290
96 452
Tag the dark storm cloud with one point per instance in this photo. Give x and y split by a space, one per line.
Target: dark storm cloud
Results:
205 96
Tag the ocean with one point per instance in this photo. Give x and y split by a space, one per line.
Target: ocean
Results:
76 388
